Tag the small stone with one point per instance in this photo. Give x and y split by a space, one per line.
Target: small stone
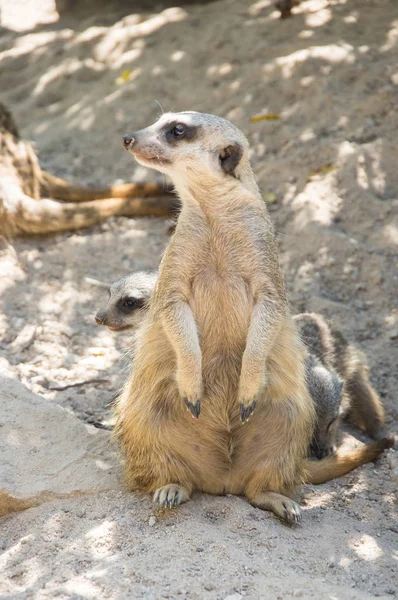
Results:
331 564
392 460
393 335
360 304
297 593
26 539
80 513
198 549
209 587
152 521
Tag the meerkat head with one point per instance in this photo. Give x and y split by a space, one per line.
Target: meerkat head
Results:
190 145
128 301
326 389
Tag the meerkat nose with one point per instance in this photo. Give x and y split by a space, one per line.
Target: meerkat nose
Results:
128 141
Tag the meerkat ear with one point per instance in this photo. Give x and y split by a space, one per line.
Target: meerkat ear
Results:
230 158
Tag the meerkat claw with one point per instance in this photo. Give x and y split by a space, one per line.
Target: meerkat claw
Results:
292 514
194 408
246 411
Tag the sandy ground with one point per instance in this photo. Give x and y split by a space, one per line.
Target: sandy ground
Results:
328 168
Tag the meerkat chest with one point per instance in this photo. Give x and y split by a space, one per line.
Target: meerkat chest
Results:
222 304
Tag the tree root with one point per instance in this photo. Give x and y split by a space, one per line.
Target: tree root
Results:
55 187
26 192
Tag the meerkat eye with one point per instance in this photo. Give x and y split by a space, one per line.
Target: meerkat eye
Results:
178 130
330 424
129 302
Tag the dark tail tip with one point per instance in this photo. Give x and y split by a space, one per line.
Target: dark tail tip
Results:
388 442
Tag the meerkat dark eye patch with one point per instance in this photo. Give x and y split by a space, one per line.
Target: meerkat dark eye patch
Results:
230 158
176 132
129 304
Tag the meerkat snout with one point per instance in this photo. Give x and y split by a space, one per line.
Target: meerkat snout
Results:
100 318
128 141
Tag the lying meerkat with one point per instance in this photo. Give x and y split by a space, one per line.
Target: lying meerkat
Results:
218 338
325 388
127 304
360 403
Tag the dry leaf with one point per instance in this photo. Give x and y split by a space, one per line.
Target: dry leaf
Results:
264 117
123 77
323 170
270 198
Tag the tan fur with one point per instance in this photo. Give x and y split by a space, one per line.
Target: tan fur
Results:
342 463
218 330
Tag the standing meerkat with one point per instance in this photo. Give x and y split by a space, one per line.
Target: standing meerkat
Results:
128 303
218 337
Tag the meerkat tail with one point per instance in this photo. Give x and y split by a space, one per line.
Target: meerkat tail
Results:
321 471
55 187
366 407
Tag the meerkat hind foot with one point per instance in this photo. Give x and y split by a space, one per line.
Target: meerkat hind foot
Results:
170 495
283 507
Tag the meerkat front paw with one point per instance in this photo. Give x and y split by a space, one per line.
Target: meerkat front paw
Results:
249 390
246 410
191 390
194 408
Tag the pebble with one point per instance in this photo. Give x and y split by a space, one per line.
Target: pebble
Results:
152 521
26 539
392 460
209 587
297 593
